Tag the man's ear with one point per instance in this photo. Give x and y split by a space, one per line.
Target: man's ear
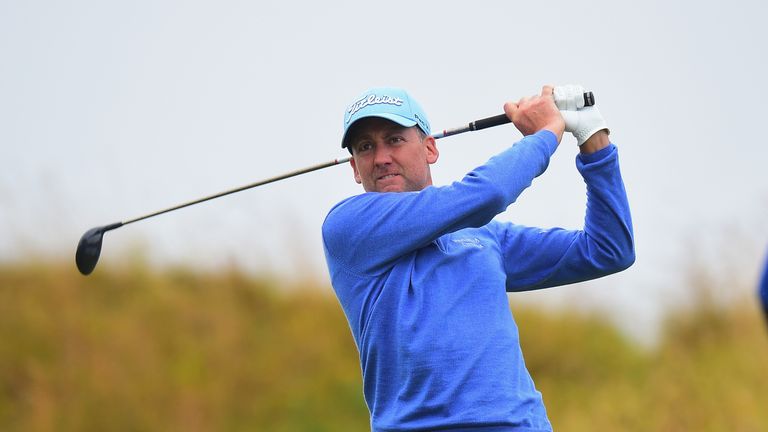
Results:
432 153
356 172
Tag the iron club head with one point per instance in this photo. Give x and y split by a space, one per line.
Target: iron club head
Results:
89 247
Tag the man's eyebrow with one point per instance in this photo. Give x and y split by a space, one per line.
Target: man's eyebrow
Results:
354 139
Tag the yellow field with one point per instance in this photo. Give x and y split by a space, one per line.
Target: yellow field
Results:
136 350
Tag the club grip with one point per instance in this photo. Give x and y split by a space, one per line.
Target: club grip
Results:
489 122
589 100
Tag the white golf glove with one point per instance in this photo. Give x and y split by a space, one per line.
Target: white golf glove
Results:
569 97
581 121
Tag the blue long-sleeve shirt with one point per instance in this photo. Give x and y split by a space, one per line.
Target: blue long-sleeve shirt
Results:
422 278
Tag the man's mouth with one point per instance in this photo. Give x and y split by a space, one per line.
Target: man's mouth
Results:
388 176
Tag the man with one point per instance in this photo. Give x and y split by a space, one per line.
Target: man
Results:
422 271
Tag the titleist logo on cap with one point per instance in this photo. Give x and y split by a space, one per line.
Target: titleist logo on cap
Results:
371 100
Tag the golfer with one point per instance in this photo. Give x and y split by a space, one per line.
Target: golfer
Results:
422 271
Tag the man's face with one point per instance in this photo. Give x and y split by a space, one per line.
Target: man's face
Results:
387 157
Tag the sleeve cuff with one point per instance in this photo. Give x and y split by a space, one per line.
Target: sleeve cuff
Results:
598 155
549 138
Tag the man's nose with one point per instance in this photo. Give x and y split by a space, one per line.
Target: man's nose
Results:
382 155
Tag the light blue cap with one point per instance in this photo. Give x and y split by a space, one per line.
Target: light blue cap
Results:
386 102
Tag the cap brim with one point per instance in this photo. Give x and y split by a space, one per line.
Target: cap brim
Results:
402 121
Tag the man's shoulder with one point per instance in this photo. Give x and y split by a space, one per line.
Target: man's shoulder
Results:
349 204
341 203
365 202
347 211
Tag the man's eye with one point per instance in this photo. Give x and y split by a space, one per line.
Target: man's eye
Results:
364 147
396 139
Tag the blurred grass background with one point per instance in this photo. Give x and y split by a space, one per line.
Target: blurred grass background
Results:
137 349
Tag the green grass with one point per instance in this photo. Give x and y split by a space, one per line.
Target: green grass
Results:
139 350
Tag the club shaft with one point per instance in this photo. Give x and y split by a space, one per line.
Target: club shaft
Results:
271 180
487 122
472 126
242 188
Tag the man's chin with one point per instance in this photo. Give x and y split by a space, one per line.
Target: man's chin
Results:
393 184
392 189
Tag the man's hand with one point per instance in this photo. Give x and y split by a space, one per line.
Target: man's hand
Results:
535 113
583 122
569 98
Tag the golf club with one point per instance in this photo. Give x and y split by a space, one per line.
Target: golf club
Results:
89 247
